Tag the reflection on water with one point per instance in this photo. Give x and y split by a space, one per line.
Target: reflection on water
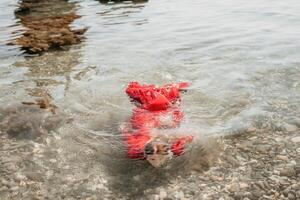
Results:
46 31
8 25
44 8
118 1
50 69
122 12
47 24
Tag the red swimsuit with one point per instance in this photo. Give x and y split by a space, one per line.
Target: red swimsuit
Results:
156 108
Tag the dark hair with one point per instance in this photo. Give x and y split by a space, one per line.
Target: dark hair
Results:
149 150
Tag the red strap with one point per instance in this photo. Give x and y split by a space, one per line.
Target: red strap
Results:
178 146
135 143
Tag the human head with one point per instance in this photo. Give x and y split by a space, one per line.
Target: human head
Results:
157 153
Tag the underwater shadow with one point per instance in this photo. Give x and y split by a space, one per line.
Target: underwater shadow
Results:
120 1
132 178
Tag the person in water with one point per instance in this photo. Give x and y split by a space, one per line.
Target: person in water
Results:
156 108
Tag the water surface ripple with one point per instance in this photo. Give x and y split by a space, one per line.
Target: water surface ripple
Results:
241 58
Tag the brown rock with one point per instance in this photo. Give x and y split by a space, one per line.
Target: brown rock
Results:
288 171
291 196
290 127
233 187
244 185
48 32
296 139
263 148
34 176
281 157
297 168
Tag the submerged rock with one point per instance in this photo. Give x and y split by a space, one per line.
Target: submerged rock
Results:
296 139
30 120
44 32
290 127
48 33
288 171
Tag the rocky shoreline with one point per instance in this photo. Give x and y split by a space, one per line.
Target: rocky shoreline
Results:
256 164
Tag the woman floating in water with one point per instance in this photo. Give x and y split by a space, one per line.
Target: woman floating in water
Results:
156 108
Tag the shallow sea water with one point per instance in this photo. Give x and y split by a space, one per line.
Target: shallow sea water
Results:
241 58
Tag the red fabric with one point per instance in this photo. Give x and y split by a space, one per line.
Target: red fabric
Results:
155 98
157 108
178 146
136 142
